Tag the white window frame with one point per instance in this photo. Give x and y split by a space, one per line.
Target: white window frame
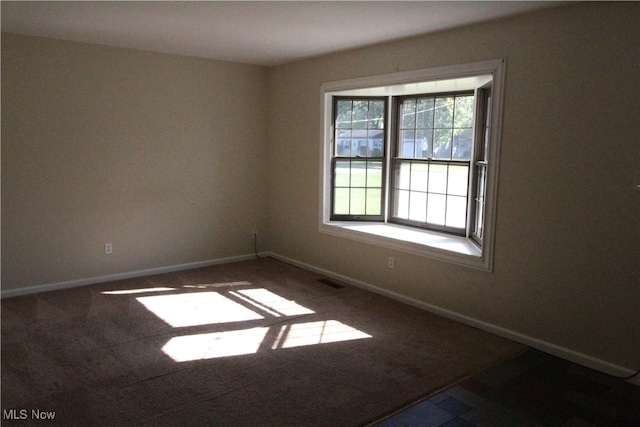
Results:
440 246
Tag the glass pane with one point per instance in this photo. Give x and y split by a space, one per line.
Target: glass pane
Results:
374 201
444 113
485 152
343 115
481 182
357 200
359 174
456 212
418 207
458 180
437 178
360 114
464 112
359 148
480 201
424 113
376 145
401 208
479 219
419 176
407 143
342 173
462 144
343 142
408 114
403 175
374 174
424 139
436 207
442 144
376 115
341 201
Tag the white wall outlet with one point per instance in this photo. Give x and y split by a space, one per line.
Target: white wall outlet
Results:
392 262
108 248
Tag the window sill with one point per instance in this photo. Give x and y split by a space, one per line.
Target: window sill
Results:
454 249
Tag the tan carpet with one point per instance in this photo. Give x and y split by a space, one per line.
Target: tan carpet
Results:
255 343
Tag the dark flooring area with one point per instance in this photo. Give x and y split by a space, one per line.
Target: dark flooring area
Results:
533 389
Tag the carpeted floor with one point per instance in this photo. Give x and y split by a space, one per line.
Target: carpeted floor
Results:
249 343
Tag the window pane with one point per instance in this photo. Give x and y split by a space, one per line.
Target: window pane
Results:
418 207
456 211
343 142
357 201
458 180
341 201
479 206
407 143
442 144
359 146
424 140
343 115
419 176
479 219
359 173
376 115
360 114
401 209
408 114
437 178
376 145
374 201
444 112
462 139
436 207
342 173
482 171
424 113
485 144
374 174
403 175
464 112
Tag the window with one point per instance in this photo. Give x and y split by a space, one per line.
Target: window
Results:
432 161
358 159
410 161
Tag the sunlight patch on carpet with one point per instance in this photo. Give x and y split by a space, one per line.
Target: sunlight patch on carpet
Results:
197 308
312 333
270 302
190 309
248 341
214 345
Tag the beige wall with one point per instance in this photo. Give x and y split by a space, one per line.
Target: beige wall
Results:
175 160
161 155
567 262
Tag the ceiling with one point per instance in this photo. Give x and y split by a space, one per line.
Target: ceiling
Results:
255 32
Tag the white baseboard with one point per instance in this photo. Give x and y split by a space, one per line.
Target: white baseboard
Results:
121 276
538 344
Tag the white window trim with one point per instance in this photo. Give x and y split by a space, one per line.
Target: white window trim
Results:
440 246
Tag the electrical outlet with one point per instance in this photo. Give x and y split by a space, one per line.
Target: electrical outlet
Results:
108 248
255 233
392 262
